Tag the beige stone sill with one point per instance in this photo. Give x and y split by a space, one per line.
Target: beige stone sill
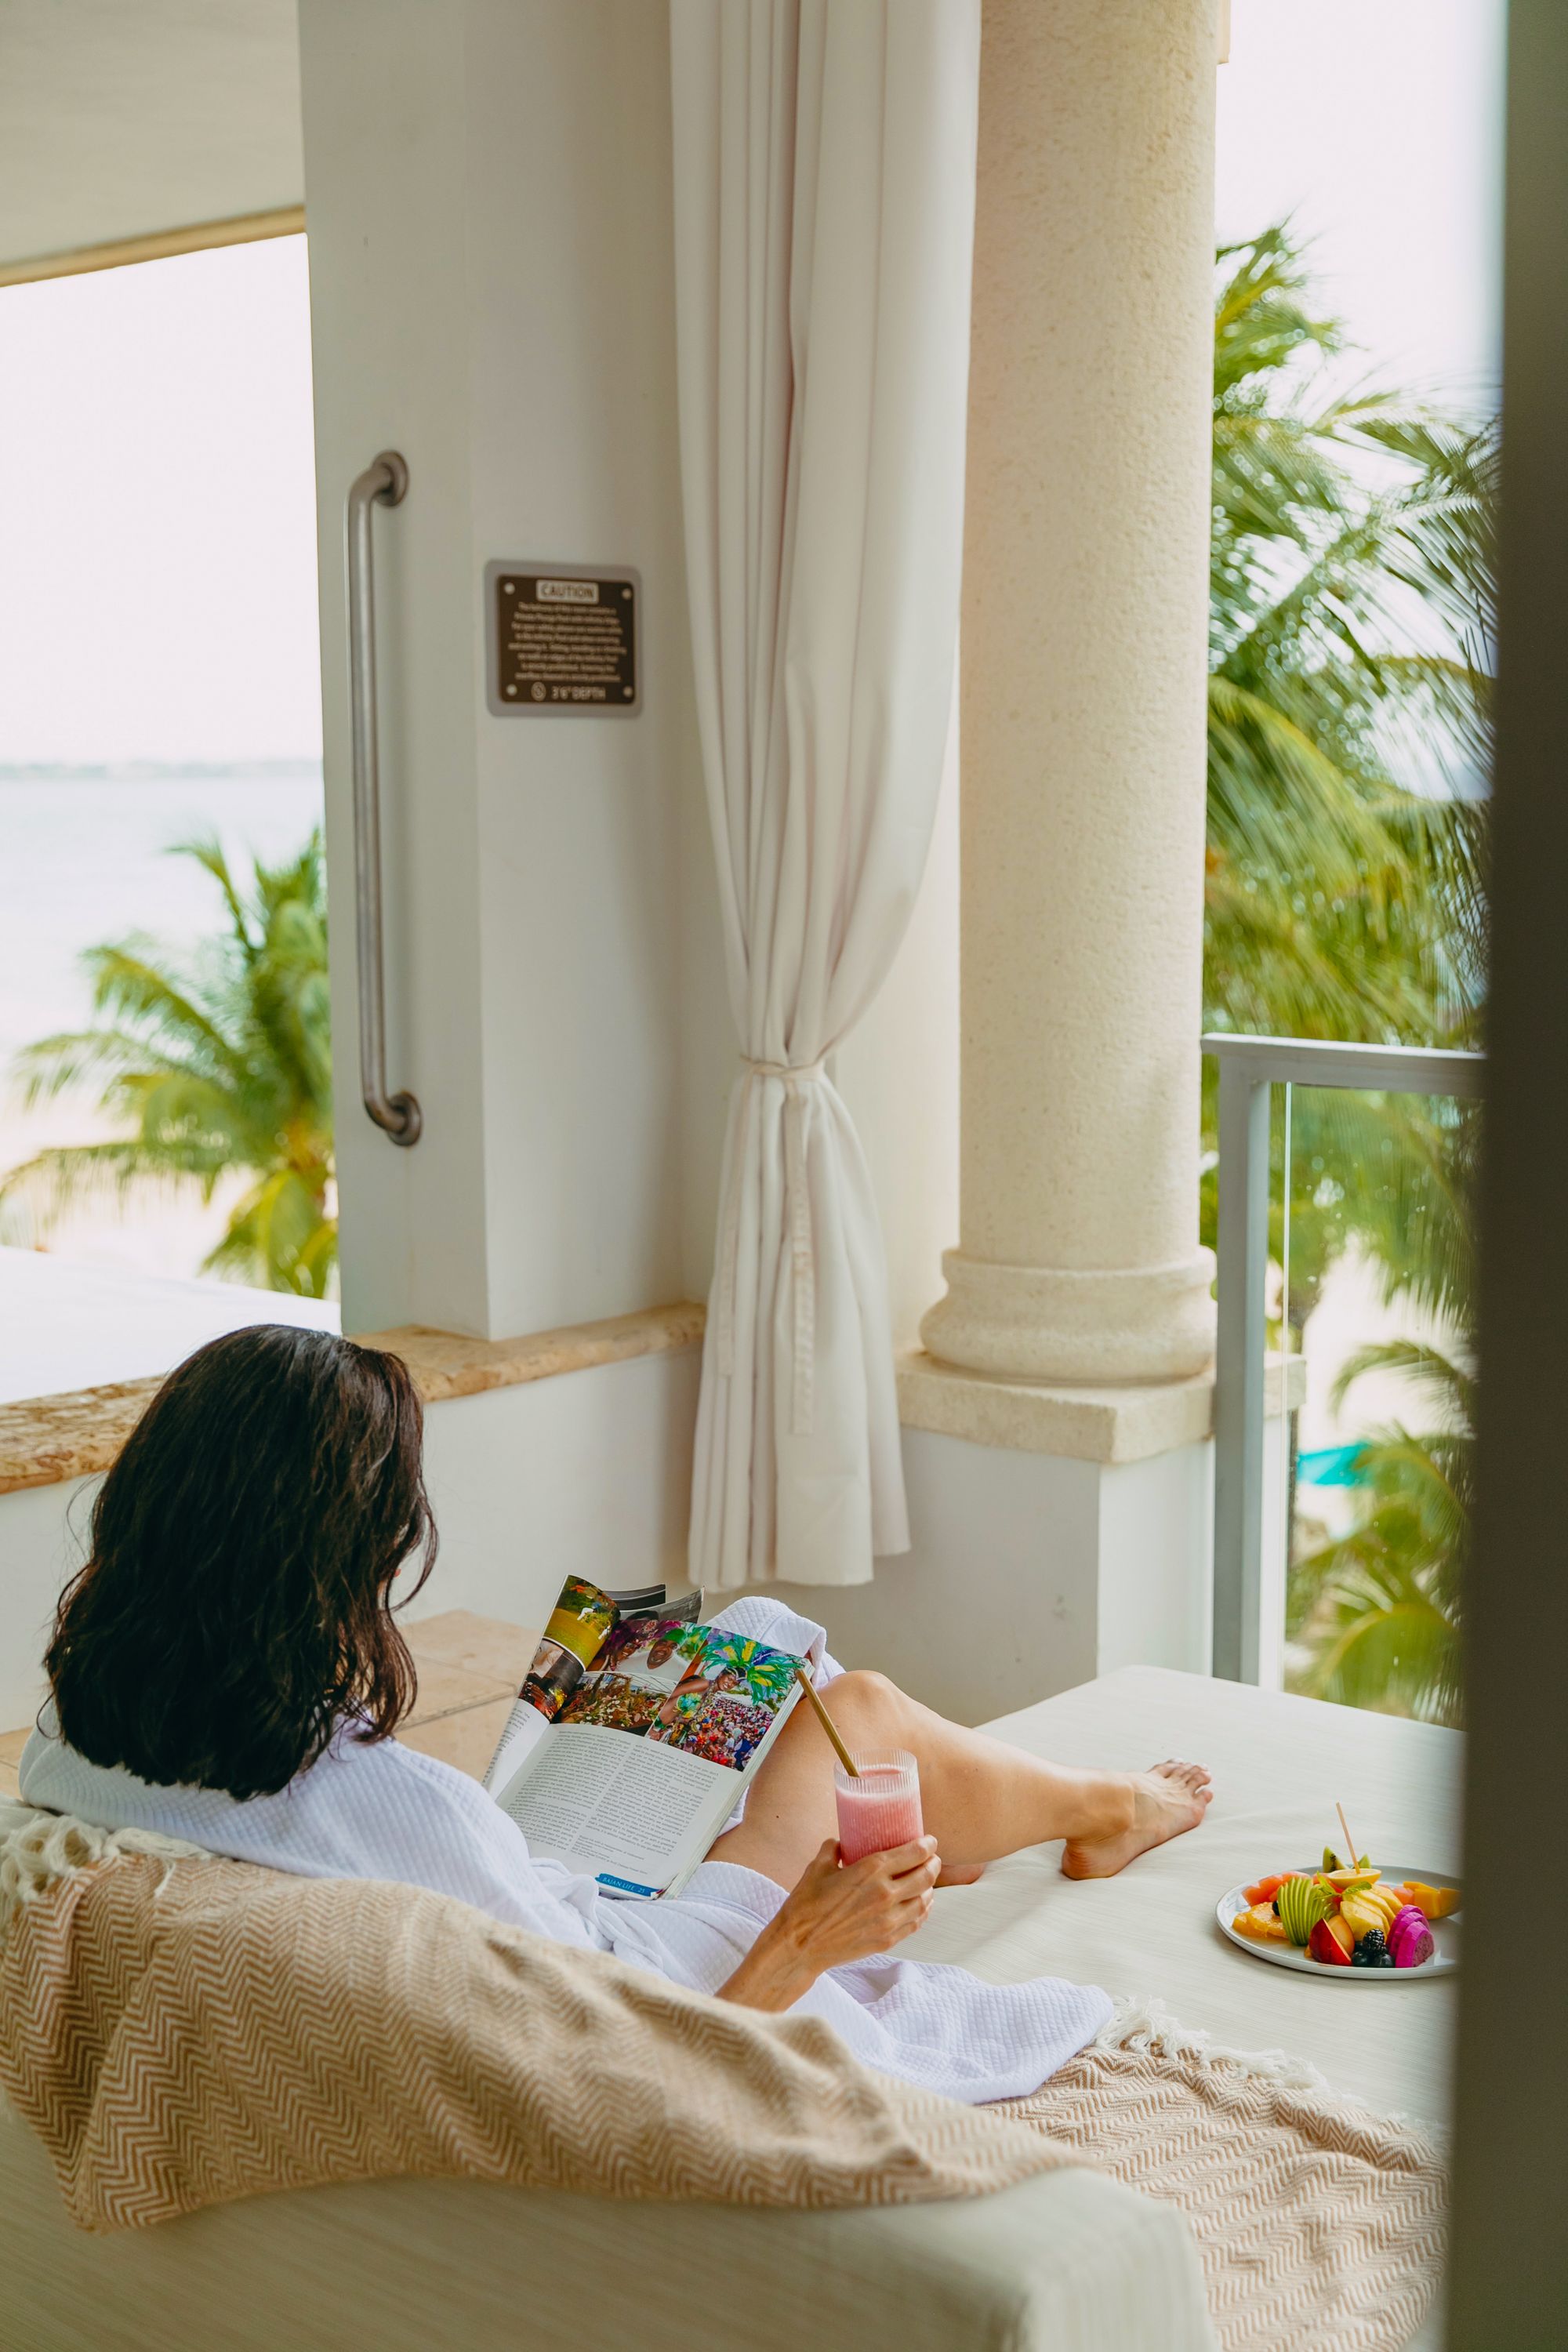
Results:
44 1440
446 1364
1081 1425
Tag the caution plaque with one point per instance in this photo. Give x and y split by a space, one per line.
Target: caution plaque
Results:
564 638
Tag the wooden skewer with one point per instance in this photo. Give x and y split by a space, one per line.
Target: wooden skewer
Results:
1351 1858
803 1679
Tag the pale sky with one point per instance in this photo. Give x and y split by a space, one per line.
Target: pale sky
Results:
1377 124
157 578
157 512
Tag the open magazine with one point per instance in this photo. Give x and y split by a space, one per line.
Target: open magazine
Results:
633 1735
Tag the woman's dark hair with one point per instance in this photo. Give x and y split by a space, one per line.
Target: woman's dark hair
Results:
236 1603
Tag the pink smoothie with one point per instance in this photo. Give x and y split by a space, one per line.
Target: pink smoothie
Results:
879 1810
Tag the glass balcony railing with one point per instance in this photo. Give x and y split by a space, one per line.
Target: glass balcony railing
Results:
1345 1239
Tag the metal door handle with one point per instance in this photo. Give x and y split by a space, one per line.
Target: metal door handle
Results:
383 482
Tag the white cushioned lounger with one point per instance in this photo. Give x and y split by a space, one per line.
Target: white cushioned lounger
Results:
1069 2263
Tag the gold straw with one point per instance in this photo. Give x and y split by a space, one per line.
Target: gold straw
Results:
1351 1856
803 1679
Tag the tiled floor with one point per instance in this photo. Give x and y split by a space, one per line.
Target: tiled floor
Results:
470 1670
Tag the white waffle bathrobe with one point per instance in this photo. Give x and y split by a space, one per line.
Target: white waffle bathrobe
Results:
386 1812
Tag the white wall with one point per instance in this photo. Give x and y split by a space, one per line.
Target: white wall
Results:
1031 1573
488 191
387 209
586 1474
1021 1575
43 1532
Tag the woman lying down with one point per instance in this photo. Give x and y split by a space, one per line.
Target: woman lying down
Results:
226 1670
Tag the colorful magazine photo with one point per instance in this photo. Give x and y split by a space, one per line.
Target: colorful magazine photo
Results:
690 1686
633 1735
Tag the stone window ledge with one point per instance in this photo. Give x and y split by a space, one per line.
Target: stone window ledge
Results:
78 1433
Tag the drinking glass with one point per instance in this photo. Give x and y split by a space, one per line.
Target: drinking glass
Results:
882 1807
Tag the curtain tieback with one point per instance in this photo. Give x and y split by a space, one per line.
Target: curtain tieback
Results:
793 1076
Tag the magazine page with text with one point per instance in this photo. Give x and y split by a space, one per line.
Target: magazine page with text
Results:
627 1766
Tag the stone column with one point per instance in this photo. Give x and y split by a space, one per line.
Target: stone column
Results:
1085 603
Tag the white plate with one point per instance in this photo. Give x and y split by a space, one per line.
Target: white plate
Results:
1444 1934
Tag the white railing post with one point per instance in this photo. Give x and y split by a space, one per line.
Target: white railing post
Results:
1249 1067
1243 1255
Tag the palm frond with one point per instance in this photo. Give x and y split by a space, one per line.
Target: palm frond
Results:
216 1062
1353 617
208 853
56 1181
135 991
1449 1385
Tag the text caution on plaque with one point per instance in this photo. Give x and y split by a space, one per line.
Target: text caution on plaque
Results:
564 638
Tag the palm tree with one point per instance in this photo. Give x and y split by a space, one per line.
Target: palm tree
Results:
1352 609
1350 612
218 1064
1379 1610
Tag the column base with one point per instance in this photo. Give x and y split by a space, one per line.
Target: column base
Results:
1099 1325
1076 1421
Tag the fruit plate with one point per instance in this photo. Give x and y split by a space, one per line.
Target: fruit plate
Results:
1444 1935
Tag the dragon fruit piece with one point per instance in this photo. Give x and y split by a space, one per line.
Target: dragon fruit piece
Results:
1410 1938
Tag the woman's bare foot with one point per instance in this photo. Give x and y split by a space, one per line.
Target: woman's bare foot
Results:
960 1874
1169 1799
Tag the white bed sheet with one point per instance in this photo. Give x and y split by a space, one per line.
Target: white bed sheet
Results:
1279 1764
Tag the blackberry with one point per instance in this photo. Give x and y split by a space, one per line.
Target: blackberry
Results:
1373 1944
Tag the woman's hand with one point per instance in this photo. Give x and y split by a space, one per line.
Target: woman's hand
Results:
839 1911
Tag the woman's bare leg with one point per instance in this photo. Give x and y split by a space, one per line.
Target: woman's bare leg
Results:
979 1798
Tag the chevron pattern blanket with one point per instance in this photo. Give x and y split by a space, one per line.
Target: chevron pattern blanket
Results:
1316 2222
181 2030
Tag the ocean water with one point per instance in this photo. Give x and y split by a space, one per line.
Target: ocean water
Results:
84 857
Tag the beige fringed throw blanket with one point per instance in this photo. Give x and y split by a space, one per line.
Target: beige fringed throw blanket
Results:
181 2030
1317 2223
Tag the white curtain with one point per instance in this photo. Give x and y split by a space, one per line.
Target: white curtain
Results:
824 221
